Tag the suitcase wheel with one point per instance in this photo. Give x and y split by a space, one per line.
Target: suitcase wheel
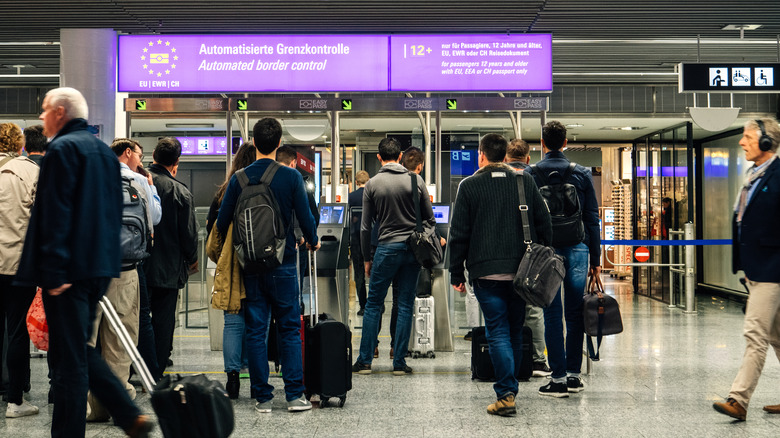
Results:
415 355
431 355
342 401
324 403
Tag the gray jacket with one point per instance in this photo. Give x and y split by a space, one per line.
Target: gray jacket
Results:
388 202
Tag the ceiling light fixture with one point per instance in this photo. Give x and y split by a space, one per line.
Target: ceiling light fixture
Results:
189 125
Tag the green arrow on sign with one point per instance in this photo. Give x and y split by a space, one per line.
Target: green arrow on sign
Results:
346 104
452 104
140 105
243 104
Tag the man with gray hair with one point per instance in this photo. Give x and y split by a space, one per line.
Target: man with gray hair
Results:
756 250
72 251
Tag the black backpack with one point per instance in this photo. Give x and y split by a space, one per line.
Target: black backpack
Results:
259 234
134 236
564 205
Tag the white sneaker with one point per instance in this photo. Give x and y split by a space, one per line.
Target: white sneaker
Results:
264 408
299 404
22 410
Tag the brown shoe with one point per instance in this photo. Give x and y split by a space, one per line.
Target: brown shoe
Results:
391 352
140 428
504 407
772 409
376 352
732 408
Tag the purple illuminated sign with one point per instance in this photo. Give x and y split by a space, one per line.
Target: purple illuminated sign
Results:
471 62
252 63
203 145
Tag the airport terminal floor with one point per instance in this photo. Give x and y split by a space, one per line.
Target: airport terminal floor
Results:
658 378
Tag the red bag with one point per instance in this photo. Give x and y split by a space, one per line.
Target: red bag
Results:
36 323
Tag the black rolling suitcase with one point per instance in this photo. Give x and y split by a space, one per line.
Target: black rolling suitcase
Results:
191 406
482 365
328 360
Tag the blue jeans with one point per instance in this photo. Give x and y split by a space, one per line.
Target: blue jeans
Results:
234 342
504 314
390 259
274 292
569 358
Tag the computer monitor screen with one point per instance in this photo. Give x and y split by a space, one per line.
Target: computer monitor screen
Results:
441 213
332 214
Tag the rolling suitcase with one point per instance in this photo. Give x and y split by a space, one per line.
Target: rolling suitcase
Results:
191 406
421 342
327 368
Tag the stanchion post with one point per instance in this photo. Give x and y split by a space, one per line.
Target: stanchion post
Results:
690 272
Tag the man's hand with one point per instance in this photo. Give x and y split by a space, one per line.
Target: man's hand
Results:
368 268
59 290
442 241
460 287
313 248
193 268
149 178
595 271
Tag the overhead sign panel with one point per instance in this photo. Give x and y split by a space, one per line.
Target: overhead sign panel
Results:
252 63
494 62
729 78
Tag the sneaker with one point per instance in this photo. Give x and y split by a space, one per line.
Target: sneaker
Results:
553 389
575 384
541 369
141 427
468 336
402 371
361 312
361 369
299 404
732 408
504 407
264 407
22 410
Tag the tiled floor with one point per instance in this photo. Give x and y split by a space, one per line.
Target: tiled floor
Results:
658 378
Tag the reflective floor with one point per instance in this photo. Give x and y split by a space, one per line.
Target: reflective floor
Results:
658 378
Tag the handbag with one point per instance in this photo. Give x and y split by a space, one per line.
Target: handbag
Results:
37 326
601 315
424 242
541 270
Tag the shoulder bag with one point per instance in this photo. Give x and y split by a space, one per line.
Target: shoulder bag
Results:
541 270
601 315
424 242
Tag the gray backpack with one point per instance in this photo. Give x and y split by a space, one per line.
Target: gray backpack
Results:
134 235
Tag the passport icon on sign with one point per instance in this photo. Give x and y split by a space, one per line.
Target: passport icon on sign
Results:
158 58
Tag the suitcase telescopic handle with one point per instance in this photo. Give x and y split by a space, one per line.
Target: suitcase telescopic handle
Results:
313 301
127 343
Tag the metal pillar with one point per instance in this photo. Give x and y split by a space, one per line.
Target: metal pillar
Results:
229 136
438 155
335 167
690 272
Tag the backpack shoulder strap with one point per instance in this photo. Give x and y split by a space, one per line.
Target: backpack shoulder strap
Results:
6 160
541 174
243 180
270 172
569 171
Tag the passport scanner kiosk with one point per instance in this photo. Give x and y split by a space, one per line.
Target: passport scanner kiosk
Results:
441 288
333 262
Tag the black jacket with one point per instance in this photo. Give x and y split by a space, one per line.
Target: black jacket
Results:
75 222
756 250
175 237
486 229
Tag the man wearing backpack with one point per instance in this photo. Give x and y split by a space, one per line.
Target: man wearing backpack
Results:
571 198
271 284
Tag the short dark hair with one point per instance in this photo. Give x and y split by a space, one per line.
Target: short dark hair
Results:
285 154
493 146
412 158
34 140
517 149
120 145
554 135
389 149
167 151
267 133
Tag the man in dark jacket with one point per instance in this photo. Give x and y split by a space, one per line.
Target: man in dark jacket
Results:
486 237
355 201
576 256
756 250
388 201
72 251
175 250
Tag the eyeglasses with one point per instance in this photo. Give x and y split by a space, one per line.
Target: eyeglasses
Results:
140 155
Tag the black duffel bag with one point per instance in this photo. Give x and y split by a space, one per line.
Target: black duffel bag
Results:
193 407
424 242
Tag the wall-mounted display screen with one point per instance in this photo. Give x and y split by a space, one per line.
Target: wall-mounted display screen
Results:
492 62
441 213
252 63
332 214
203 145
463 162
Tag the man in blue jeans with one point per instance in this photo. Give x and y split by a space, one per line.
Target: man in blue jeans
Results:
566 362
486 237
388 201
274 291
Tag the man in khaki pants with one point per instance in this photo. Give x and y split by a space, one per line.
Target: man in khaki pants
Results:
756 250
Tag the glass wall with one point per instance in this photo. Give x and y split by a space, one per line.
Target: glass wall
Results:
724 170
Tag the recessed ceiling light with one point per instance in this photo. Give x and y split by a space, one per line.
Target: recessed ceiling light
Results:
189 125
575 125
623 128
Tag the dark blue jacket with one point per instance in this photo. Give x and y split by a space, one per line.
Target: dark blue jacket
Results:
582 180
756 250
287 187
77 216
